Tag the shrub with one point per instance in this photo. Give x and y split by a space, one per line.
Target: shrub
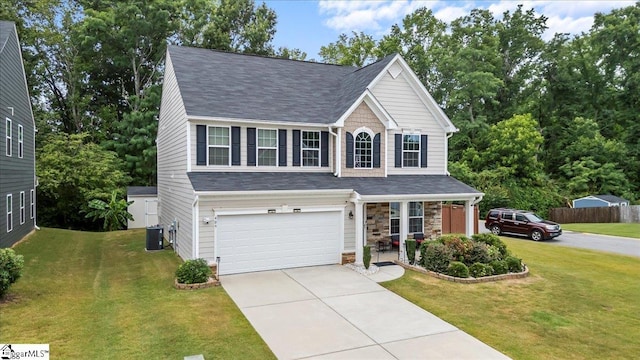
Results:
459 245
366 256
514 264
499 267
479 270
436 257
193 272
458 269
478 252
11 266
493 240
411 250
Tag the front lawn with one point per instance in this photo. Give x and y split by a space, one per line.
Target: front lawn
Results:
576 304
615 229
102 296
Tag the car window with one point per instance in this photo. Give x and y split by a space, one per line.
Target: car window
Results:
520 217
493 214
534 218
507 215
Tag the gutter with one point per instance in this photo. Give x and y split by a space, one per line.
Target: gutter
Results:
446 154
337 155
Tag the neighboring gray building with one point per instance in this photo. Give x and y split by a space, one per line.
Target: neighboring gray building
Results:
599 201
17 143
270 163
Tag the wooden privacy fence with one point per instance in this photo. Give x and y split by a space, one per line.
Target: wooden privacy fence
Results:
614 214
453 219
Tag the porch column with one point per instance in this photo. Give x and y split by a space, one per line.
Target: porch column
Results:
404 228
359 219
469 217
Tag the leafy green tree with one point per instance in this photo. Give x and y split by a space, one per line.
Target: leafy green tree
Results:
292 54
358 49
71 172
114 213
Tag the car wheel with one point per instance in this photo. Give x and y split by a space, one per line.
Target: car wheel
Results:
495 230
536 235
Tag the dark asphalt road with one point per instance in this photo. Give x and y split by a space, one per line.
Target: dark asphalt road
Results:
613 244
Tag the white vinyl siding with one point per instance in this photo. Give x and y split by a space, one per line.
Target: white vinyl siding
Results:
408 110
175 193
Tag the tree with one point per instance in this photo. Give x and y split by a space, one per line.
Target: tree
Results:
71 172
114 213
357 50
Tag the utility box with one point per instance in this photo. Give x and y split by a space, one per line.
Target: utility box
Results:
154 238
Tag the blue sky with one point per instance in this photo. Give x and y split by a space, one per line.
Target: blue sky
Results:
308 25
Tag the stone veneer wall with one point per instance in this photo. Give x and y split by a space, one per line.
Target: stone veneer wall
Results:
378 221
363 117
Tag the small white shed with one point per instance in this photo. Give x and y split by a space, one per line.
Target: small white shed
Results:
144 207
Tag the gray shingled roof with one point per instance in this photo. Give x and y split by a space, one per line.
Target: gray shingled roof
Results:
6 28
142 190
611 198
274 181
230 85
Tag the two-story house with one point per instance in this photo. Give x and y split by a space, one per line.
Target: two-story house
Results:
268 163
17 143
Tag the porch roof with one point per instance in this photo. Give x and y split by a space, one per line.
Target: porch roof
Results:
375 187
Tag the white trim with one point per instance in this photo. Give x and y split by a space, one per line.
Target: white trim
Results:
319 149
278 210
357 132
9 211
20 141
276 148
274 193
419 135
8 134
32 203
189 146
409 217
193 118
26 84
22 201
219 146
195 242
421 197
376 107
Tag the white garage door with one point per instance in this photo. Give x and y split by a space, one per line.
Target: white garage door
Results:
276 241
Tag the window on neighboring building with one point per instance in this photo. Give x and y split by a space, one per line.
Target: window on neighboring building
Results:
394 218
267 147
363 151
22 208
411 150
20 140
311 148
218 145
9 212
32 199
8 136
416 217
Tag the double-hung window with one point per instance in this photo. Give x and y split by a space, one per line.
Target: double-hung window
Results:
394 218
416 217
218 145
311 148
267 147
411 151
20 141
9 212
8 136
22 208
363 151
32 198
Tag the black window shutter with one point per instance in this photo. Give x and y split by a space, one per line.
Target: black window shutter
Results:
201 147
296 147
349 150
251 146
376 151
324 148
423 151
282 147
398 147
235 145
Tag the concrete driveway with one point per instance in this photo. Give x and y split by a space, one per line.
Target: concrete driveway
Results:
332 312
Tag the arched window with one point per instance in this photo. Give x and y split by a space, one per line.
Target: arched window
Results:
363 151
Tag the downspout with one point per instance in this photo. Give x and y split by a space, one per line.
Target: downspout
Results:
195 251
337 155
446 155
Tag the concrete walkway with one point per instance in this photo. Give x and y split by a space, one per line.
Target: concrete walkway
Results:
332 312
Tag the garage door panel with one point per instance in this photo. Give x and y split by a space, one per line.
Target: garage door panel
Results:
275 241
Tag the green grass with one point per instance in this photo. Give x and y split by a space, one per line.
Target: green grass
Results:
631 230
576 304
101 296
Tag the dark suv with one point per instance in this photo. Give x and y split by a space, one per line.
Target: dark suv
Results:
521 222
